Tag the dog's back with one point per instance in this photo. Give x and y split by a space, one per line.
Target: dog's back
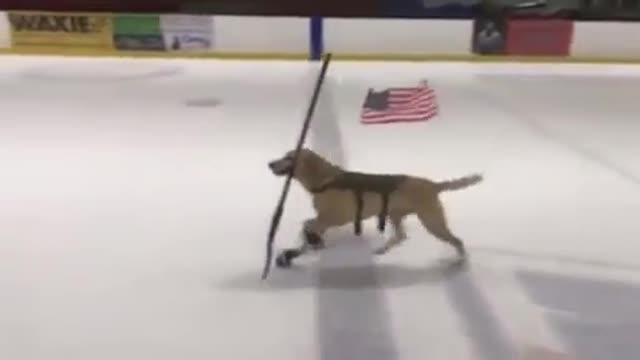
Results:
363 182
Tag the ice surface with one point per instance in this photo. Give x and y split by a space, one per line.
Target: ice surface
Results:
135 203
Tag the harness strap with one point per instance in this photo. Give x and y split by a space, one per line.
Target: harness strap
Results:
357 224
356 183
382 215
384 212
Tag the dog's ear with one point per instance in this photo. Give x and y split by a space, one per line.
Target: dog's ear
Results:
305 165
310 164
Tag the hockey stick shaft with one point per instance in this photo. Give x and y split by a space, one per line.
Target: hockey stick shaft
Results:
277 215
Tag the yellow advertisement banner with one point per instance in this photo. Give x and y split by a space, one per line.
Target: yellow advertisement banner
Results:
68 30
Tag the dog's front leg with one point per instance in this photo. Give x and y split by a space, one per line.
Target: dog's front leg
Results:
285 258
312 231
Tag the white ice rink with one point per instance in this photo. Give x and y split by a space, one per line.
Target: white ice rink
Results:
135 201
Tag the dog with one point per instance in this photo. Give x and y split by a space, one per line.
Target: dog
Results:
340 197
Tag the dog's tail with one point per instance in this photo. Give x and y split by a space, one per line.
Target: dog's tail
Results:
459 183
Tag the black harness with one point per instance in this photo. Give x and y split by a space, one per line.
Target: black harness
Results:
359 183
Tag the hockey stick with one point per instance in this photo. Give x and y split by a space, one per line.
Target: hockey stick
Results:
277 215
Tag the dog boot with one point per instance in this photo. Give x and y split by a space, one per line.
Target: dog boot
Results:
286 257
314 240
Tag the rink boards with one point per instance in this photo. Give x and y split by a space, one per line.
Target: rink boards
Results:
308 38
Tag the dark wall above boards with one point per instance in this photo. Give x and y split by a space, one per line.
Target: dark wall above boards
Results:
227 7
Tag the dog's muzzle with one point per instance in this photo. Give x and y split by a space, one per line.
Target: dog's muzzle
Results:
281 167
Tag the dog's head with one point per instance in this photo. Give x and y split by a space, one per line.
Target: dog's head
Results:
307 163
283 166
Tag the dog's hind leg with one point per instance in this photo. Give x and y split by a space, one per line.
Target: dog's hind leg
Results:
434 220
399 235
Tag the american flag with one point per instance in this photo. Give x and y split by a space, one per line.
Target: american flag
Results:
399 104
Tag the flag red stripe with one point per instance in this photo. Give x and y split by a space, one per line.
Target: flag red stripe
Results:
379 115
400 113
420 108
414 116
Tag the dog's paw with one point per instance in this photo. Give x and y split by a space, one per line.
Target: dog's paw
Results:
461 251
282 261
381 250
285 258
313 240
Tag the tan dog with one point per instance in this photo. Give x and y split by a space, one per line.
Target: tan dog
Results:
341 197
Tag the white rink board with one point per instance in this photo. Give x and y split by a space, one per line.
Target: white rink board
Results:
606 39
398 36
5 31
261 34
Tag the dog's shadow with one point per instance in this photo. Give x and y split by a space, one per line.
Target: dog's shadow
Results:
355 277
